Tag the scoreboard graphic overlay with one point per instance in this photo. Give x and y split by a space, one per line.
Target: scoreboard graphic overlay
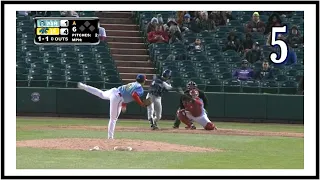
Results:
66 30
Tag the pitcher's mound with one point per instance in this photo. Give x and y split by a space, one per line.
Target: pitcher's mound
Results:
108 145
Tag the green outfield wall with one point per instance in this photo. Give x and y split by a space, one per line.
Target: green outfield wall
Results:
65 102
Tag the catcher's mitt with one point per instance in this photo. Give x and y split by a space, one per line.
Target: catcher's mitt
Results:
147 101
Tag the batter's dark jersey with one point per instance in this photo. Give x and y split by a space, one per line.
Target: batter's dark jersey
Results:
201 96
156 88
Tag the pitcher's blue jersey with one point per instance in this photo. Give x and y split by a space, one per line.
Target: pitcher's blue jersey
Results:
156 87
128 89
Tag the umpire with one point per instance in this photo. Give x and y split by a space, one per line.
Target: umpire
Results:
191 85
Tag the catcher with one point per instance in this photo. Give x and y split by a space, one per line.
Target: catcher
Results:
194 111
190 85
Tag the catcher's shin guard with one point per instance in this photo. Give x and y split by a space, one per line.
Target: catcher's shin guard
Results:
183 117
210 126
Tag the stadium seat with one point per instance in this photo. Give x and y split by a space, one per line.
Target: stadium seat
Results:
177 82
288 87
225 76
291 72
37 71
217 58
250 86
55 71
213 85
73 66
74 78
54 65
270 87
97 84
21 70
21 77
38 83
57 84
232 85
206 75
53 77
112 79
281 78
93 77
22 83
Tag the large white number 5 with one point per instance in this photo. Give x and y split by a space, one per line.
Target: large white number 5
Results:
279 42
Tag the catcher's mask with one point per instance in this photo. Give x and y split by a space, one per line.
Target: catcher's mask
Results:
194 93
191 85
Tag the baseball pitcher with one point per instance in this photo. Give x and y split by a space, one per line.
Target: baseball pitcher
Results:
194 111
190 85
118 98
157 88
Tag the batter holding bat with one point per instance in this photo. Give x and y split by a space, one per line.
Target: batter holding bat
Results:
158 86
194 111
190 85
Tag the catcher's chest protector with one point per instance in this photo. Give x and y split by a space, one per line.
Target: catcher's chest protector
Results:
195 108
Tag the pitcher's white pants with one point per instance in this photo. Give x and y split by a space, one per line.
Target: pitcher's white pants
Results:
116 100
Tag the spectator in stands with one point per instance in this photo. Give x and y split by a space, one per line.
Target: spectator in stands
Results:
294 39
194 14
152 25
173 30
160 19
274 20
102 34
265 73
268 42
204 23
158 36
189 25
196 46
220 18
233 43
291 57
180 16
244 72
255 25
247 44
255 54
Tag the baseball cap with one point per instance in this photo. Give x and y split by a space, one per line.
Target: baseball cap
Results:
141 78
255 14
187 16
244 61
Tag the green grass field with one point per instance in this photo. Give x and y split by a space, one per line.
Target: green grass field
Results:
239 152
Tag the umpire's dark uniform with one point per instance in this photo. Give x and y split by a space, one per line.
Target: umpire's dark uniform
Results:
201 96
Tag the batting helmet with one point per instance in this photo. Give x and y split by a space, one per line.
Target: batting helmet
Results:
166 74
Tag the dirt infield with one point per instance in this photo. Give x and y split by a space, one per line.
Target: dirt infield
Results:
108 145
137 145
233 132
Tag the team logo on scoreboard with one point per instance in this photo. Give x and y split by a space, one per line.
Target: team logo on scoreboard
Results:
35 97
43 31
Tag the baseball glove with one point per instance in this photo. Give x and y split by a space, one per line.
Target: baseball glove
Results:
147 101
